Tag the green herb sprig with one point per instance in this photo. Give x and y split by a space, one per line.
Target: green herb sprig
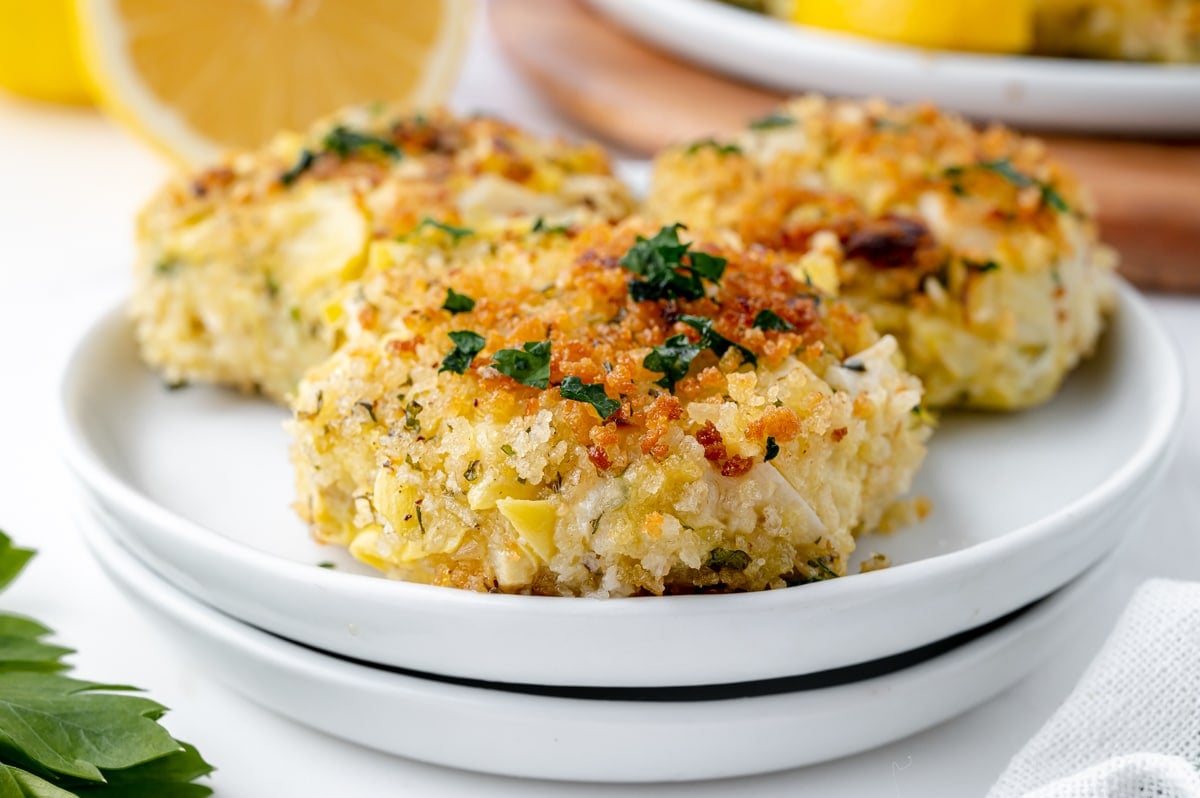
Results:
66 738
593 394
674 357
345 142
668 268
768 319
529 365
467 345
457 303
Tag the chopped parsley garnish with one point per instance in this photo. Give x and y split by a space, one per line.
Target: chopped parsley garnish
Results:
327 565
457 303
455 233
508 449
67 738
272 285
733 559
165 266
344 142
370 408
529 365
668 268
773 120
593 394
711 339
772 450
672 359
472 472
540 226
302 165
467 345
721 149
1005 169
770 320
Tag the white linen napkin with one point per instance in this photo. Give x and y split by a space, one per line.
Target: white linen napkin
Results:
1131 727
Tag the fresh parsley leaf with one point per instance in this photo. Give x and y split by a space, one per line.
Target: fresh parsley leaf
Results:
593 394
457 303
733 559
18 783
721 149
12 559
822 569
303 164
455 233
711 339
772 450
345 142
529 365
773 120
668 268
77 728
467 345
21 647
768 319
672 359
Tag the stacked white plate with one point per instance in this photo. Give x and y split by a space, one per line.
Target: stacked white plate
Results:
185 501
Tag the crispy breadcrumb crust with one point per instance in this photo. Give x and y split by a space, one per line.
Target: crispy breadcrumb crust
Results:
974 248
239 264
745 476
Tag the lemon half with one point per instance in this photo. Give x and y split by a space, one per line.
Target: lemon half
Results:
197 78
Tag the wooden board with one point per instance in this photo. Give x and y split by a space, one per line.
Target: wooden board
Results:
641 99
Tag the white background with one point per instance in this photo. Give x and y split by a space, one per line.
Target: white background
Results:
70 185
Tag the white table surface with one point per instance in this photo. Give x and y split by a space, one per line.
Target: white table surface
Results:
69 187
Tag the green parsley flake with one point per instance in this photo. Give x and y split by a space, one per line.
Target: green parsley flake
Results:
508 449
981 266
773 120
455 233
772 450
721 149
1004 168
668 268
529 365
593 394
467 345
672 359
345 142
734 559
457 303
303 164
540 226
711 339
770 320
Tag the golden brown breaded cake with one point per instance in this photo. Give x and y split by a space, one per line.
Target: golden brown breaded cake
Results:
239 265
605 411
974 248
1129 30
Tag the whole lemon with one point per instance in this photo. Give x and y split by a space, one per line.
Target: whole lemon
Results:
39 57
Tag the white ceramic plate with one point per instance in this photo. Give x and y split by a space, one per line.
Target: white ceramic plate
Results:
1023 504
580 739
1048 93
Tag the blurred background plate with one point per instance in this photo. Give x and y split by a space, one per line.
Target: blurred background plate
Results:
1033 92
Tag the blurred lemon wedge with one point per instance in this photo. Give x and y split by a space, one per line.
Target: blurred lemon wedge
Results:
197 78
38 57
972 25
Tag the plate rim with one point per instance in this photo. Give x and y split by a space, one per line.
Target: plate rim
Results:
282 653
1168 83
86 464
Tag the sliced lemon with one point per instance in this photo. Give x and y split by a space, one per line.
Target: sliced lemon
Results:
38 57
197 78
972 25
